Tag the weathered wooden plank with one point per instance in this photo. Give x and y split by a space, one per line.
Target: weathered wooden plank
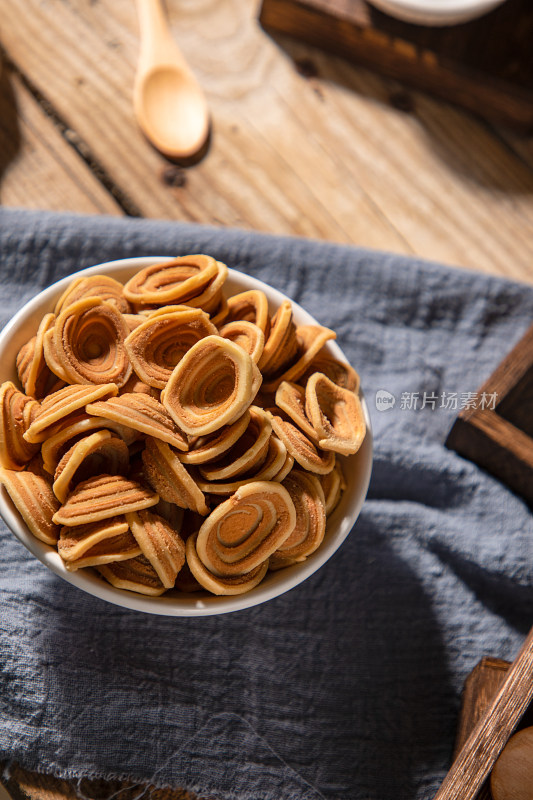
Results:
327 157
38 168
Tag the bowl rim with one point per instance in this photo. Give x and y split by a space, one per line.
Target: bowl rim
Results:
438 11
165 605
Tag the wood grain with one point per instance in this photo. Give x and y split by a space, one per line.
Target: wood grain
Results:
450 62
480 688
325 156
36 165
487 739
501 440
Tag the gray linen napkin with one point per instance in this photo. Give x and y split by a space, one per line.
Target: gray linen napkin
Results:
348 686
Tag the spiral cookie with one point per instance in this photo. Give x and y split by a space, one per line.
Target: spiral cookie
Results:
98 453
333 485
35 501
276 465
311 339
250 306
213 384
142 413
159 343
97 543
210 299
281 347
247 335
159 543
88 343
302 449
176 281
217 584
203 449
244 531
102 497
102 286
336 414
337 371
33 371
247 453
57 406
135 575
308 498
291 399
169 478
79 425
17 411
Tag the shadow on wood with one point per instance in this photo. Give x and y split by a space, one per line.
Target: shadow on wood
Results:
10 138
454 63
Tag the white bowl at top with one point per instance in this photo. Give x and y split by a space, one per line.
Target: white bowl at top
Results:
436 12
357 470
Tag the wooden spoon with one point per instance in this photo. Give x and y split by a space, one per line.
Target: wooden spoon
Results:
169 103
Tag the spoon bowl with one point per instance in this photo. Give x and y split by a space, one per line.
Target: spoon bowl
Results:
169 103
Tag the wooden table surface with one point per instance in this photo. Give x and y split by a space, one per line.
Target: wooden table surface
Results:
302 144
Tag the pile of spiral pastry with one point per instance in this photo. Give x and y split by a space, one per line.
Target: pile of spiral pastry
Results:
173 438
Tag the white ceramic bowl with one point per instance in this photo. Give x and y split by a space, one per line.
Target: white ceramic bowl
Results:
436 12
357 471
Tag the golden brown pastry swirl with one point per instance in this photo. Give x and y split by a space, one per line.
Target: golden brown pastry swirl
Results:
212 386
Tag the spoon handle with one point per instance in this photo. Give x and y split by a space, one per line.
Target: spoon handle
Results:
157 44
487 740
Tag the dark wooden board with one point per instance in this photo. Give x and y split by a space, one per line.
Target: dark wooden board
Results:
485 65
501 440
479 691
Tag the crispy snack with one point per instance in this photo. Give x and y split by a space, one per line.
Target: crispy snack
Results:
75 542
216 584
308 498
302 449
247 335
311 339
135 575
211 299
291 399
247 453
161 341
79 425
160 544
58 406
281 347
339 372
169 478
142 413
273 466
97 543
176 281
101 286
34 499
16 415
158 428
212 386
32 369
96 454
333 485
88 344
204 449
336 414
250 306
102 497
244 531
